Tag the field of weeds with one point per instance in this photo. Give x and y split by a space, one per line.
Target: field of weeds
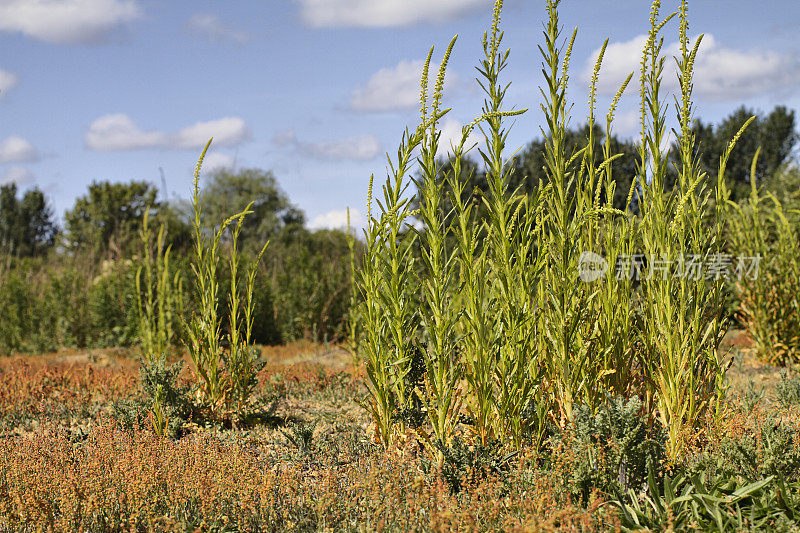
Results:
314 463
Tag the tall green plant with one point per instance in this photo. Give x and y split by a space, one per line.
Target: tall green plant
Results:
568 327
499 302
475 327
681 293
159 294
511 262
438 314
761 233
226 377
242 357
613 234
388 295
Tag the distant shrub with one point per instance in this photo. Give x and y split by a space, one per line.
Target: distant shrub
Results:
41 308
111 305
770 307
310 278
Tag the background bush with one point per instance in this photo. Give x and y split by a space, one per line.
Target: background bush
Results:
77 287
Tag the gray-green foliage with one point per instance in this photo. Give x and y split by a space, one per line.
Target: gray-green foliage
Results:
465 465
301 436
788 390
772 451
162 403
710 503
751 397
613 448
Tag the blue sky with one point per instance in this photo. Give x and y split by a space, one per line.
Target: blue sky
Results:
318 90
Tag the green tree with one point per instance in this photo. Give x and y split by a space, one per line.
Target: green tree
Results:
227 192
528 169
108 217
27 227
774 133
529 163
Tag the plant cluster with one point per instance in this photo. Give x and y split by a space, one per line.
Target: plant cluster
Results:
788 390
498 294
770 306
221 348
226 374
712 504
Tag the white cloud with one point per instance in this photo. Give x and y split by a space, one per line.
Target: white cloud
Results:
119 132
211 28
451 133
18 175
359 147
337 219
619 60
721 73
228 131
15 149
66 21
8 80
383 13
724 73
396 87
215 161
627 123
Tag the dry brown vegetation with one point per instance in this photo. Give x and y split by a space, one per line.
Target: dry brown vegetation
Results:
67 465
